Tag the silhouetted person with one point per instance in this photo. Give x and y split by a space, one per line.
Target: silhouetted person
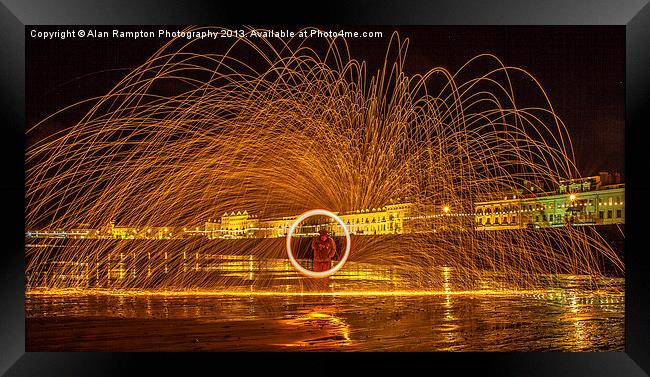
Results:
324 249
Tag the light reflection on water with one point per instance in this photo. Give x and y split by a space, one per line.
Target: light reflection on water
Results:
206 272
568 317
219 272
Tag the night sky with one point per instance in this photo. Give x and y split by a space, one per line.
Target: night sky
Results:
581 68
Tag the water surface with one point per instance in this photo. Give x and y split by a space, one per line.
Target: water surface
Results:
568 319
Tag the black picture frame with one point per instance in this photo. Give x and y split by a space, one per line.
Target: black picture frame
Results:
15 14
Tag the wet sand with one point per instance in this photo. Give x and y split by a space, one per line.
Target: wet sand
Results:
557 321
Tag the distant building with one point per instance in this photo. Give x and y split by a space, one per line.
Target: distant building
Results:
233 225
212 228
389 219
595 200
585 201
123 232
275 228
83 231
129 232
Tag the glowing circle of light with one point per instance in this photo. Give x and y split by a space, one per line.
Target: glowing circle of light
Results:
332 270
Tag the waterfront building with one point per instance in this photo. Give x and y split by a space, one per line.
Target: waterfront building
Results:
275 228
389 219
122 232
128 232
596 200
233 225
83 232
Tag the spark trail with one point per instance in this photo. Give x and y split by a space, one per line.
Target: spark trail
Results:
278 127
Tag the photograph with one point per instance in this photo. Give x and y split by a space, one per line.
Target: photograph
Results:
325 188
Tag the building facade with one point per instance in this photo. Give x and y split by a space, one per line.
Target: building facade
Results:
233 225
596 200
389 219
585 201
